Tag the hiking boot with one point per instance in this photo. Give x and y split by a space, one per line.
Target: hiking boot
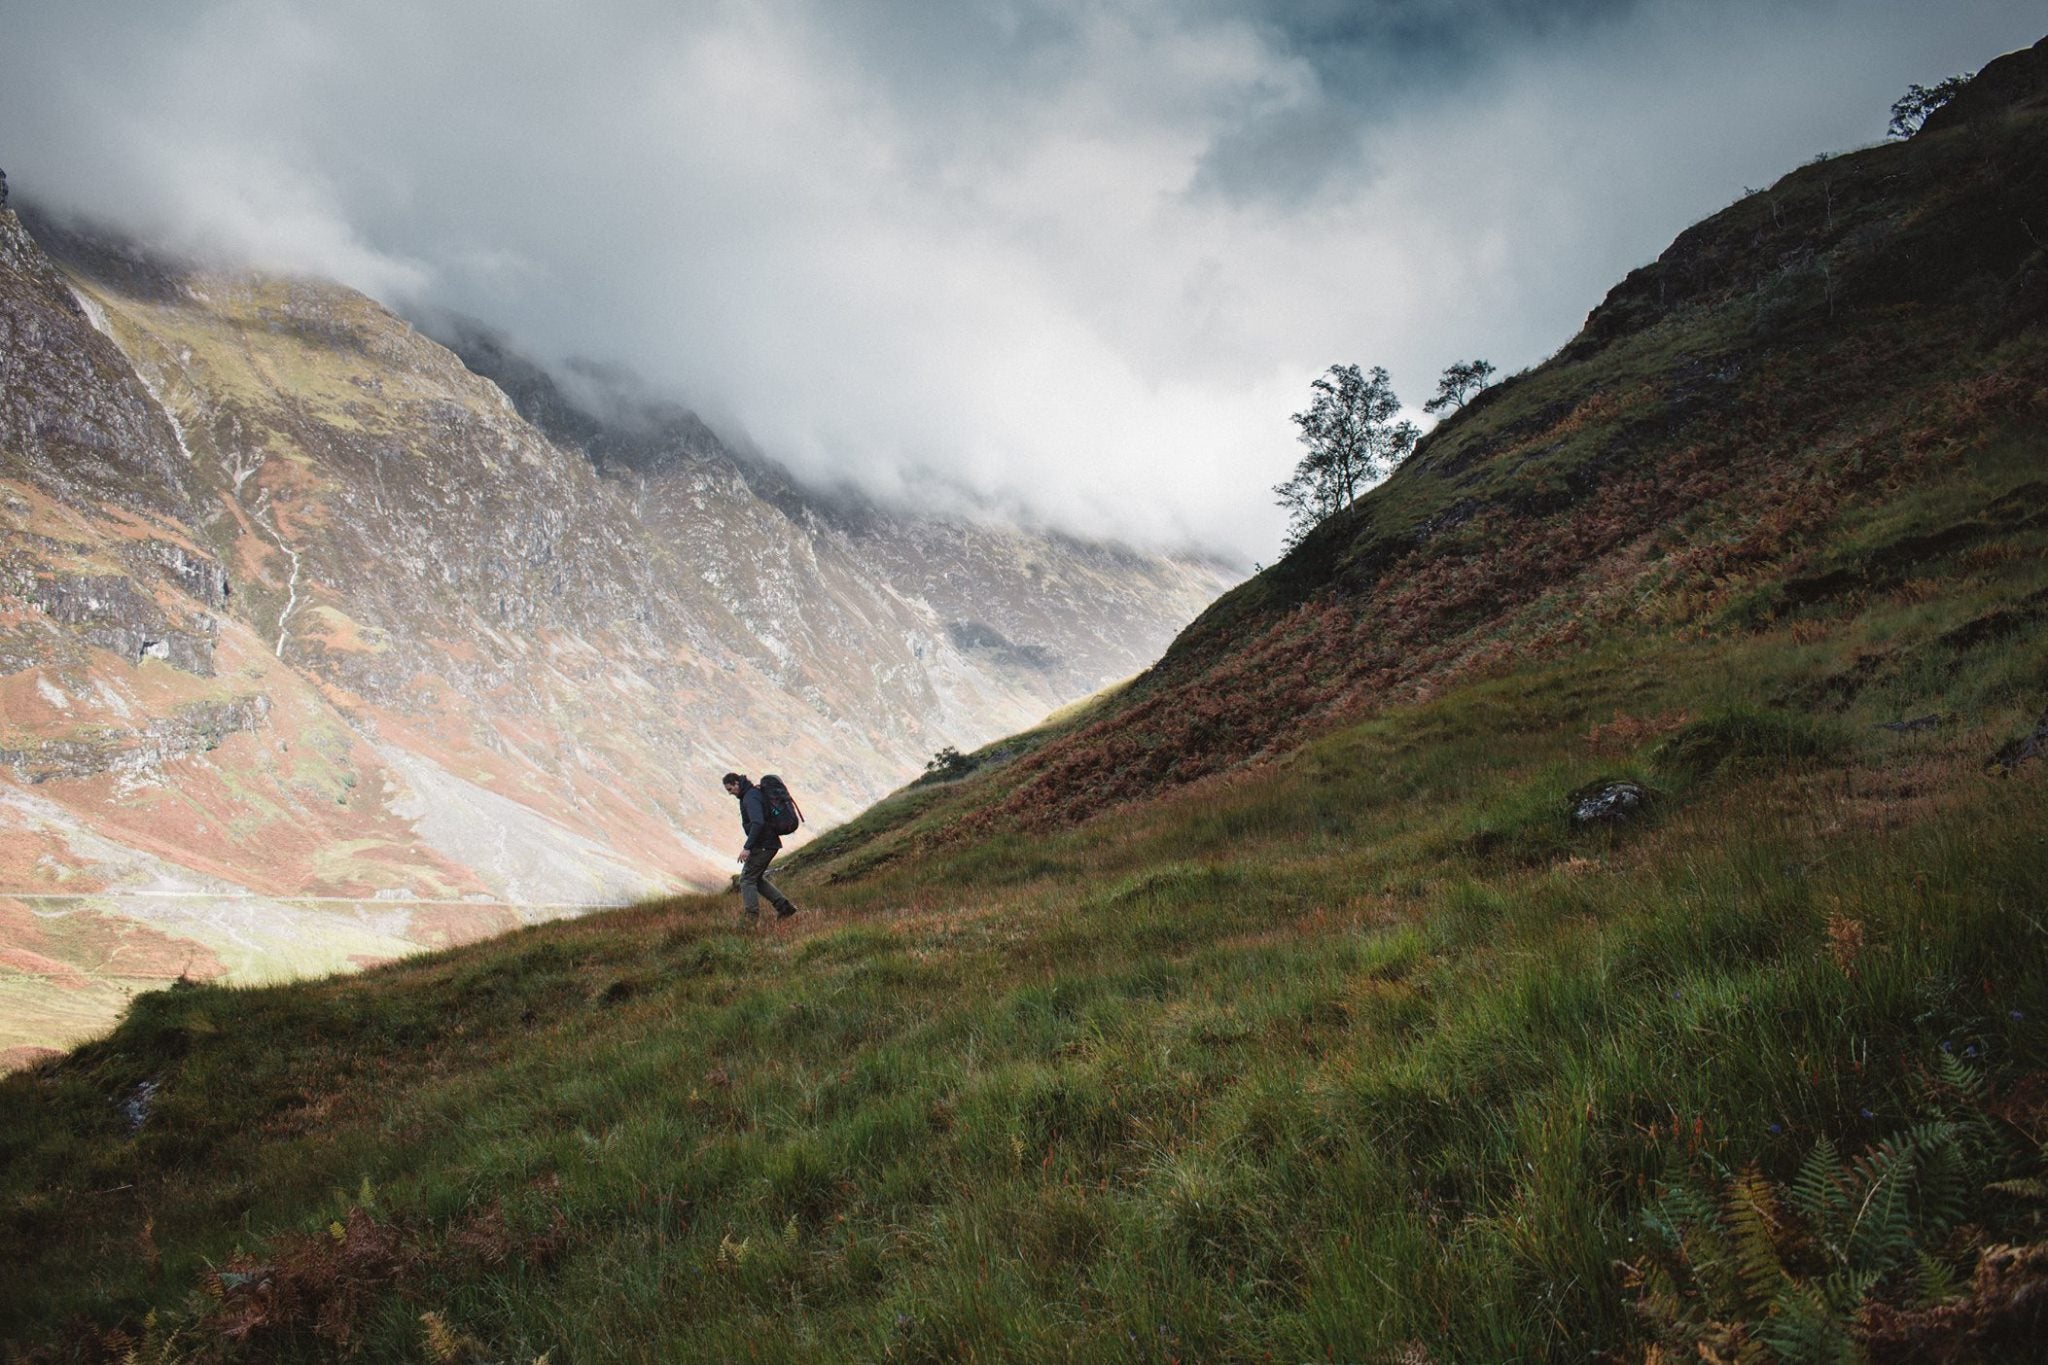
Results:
784 910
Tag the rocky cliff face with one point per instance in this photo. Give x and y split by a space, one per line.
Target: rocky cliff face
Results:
295 604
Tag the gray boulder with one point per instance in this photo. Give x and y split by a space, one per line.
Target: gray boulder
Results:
1608 803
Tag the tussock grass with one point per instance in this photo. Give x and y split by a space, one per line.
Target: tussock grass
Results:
1357 1049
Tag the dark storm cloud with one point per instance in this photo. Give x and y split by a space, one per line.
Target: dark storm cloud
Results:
1077 258
1368 58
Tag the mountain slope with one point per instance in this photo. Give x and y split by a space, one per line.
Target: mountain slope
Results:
1770 404
299 606
1581 906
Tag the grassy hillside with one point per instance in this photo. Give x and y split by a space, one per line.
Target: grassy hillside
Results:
1364 1049
1785 394
1276 1007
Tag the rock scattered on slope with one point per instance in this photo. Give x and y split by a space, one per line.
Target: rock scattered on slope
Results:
2030 745
1608 803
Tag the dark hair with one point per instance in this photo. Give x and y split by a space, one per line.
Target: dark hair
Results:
731 778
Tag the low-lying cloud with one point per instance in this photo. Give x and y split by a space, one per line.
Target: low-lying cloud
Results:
1079 259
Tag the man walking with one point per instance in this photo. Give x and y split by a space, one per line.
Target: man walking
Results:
763 843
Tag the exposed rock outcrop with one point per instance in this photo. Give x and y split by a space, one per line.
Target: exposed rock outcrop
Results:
192 729
112 613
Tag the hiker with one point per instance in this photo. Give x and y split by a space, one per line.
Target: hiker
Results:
763 843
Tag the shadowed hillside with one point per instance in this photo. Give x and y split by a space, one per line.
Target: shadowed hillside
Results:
1586 903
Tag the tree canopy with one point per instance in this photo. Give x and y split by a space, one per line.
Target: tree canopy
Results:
1353 440
1911 109
1459 383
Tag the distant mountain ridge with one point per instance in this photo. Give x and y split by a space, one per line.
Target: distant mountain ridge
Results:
641 437
297 604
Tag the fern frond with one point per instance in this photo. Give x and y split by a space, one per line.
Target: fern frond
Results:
1683 1207
1801 1329
1844 1291
1964 1080
1756 1223
1943 1189
1657 1296
1821 1195
1935 1280
1882 1235
1689 1224
444 1344
2026 1188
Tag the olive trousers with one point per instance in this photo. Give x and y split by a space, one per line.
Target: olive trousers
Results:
754 884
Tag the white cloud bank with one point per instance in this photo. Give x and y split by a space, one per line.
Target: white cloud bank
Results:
1081 259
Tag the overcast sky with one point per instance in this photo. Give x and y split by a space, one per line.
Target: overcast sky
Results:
1082 259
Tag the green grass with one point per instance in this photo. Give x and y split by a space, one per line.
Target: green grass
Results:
1369 1050
1339 1044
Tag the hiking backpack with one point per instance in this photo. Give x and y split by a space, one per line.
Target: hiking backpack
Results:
778 806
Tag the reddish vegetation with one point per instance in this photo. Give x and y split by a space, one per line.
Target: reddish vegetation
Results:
28 710
1756 483
2005 1310
133 526
109 945
84 943
35 964
37 860
326 1282
198 818
255 553
1626 732
444 926
24 947
18 927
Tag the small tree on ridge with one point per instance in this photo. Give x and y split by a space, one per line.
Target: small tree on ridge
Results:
1911 109
1352 440
1459 383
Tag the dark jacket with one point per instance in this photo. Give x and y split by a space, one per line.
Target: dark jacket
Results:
754 818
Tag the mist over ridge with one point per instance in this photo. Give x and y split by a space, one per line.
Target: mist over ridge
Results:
1076 261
